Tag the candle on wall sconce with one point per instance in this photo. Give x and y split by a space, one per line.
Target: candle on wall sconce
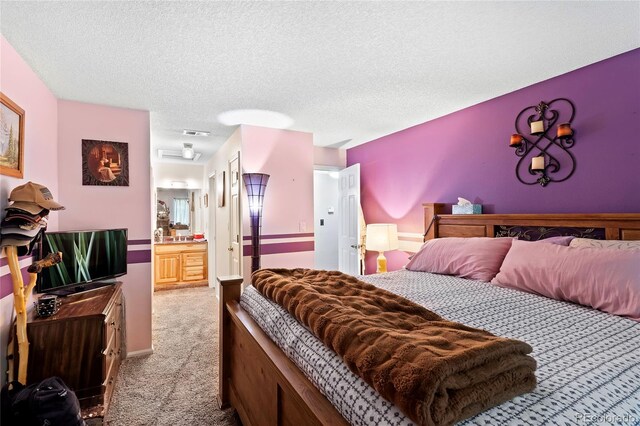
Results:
537 127
548 153
537 163
565 130
516 140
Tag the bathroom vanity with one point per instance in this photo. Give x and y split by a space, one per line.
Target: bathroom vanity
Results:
180 263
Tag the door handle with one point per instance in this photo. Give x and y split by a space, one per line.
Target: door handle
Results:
355 246
230 249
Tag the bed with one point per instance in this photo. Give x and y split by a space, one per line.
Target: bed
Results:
274 371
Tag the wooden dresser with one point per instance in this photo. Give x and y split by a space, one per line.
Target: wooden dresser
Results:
180 264
83 343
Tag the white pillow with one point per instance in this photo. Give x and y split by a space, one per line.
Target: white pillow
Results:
608 244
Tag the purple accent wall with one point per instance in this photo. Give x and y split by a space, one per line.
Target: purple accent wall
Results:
278 248
138 256
467 154
277 236
138 242
6 283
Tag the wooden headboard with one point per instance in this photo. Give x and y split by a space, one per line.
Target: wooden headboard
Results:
609 226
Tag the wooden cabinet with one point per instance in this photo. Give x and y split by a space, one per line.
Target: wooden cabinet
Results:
83 343
180 265
167 268
194 266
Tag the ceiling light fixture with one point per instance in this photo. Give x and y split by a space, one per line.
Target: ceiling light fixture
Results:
255 117
195 132
187 151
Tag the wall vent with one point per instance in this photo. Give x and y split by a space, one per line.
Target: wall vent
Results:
195 132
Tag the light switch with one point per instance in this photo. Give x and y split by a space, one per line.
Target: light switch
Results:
321 222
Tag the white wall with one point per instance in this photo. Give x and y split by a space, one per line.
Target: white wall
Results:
219 237
325 193
197 225
165 173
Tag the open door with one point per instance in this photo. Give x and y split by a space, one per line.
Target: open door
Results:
349 216
235 220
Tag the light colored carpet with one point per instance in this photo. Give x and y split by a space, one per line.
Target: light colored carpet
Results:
178 383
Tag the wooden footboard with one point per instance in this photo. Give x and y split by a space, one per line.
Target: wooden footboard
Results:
256 377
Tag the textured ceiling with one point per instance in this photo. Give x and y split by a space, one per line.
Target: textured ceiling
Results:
349 72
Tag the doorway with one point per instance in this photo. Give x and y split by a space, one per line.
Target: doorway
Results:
325 212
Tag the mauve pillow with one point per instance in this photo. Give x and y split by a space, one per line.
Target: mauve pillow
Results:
560 240
605 279
474 258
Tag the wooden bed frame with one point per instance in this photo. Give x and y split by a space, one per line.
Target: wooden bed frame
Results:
266 388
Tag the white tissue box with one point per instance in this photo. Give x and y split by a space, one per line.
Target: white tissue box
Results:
467 209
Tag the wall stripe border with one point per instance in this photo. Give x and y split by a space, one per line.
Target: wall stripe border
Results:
278 236
6 284
278 248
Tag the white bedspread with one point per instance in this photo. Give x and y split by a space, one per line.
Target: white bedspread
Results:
588 361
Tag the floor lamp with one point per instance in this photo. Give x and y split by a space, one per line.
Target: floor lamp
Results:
256 184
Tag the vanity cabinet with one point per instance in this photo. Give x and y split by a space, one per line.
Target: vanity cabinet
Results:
180 264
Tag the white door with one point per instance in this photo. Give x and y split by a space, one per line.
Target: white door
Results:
348 213
211 205
235 244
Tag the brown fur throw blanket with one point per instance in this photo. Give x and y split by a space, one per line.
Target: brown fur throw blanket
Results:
436 371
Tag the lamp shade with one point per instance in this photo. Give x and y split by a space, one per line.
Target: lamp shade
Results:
256 184
382 237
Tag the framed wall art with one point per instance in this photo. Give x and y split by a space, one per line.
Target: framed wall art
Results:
105 163
11 138
220 187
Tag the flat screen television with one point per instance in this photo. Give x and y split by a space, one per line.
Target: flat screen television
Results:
90 259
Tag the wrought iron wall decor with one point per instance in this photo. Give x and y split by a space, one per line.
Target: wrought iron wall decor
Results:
545 154
536 233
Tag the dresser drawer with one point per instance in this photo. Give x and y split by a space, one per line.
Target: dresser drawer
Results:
110 380
111 325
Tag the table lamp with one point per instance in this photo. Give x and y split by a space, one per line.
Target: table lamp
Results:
382 237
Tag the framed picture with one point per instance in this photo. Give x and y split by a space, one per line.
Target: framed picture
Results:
105 163
11 138
220 188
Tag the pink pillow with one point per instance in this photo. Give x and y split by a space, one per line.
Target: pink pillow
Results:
560 240
605 279
473 258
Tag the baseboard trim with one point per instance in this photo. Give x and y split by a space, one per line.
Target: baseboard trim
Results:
143 352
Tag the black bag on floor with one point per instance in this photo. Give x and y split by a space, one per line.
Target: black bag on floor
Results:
48 403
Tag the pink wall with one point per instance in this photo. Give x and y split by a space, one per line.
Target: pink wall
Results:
22 86
329 157
99 207
466 154
287 228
